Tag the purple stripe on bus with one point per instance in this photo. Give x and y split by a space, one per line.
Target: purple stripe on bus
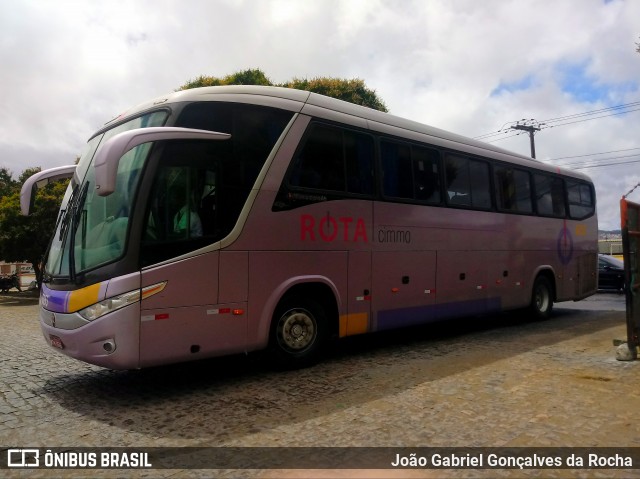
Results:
399 318
53 300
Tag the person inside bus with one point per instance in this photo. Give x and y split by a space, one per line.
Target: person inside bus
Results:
186 222
186 219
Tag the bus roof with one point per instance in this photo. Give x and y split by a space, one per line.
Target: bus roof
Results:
317 105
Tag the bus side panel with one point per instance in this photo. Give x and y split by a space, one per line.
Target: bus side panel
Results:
234 276
185 321
358 317
439 249
506 285
189 281
404 288
170 335
461 283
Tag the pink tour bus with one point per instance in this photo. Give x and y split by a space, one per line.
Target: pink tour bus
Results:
224 220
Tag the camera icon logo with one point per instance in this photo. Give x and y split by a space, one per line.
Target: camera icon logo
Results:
23 457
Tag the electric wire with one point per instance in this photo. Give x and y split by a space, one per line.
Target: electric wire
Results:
593 154
565 120
604 165
598 162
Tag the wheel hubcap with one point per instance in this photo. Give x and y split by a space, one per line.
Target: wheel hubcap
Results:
297 330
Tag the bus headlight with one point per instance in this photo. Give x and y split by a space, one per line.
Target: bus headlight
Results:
109 305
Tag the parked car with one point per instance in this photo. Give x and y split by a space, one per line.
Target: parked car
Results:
610 273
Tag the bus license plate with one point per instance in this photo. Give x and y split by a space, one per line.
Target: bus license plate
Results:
56 342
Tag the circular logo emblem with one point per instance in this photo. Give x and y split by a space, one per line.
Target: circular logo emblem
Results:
565 245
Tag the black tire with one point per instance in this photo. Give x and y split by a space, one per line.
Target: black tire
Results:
541 299
298 333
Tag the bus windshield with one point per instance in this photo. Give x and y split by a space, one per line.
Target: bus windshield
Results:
91 229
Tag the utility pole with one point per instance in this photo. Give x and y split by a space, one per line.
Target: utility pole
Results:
530 126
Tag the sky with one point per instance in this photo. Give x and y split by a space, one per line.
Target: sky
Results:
569 67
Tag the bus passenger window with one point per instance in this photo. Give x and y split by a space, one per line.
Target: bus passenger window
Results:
513 190
333 159
457 173
581 202
320 163
480 184
358 151
396 167
549 195
468 182
426 174
410 172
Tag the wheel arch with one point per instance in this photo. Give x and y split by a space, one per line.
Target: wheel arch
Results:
320 288
547 272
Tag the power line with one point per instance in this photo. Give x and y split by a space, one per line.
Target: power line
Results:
593 154
564 120
608 164
599 162
593 118
593 112
596 161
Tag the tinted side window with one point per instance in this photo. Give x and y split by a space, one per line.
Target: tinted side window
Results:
581 199
320 164
189 206
200 188
254 131
513 190
358 154
468 182
410 172
396 168
335 160
549 195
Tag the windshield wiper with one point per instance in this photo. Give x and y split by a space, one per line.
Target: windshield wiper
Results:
65 214
46 276
75 211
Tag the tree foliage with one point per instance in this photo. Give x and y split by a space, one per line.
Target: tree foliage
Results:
353 90
7 183
26 238
246 77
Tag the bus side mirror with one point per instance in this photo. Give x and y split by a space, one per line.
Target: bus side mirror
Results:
38 180
108 156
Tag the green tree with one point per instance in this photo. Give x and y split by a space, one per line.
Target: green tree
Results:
26 238
354 90
245 77
7 183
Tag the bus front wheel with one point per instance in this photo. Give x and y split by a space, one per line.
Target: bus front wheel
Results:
297 333
541 298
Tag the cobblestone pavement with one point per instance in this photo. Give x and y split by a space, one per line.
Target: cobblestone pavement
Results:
495 381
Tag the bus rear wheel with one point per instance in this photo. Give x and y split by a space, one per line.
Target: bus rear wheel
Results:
297 333
541 299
